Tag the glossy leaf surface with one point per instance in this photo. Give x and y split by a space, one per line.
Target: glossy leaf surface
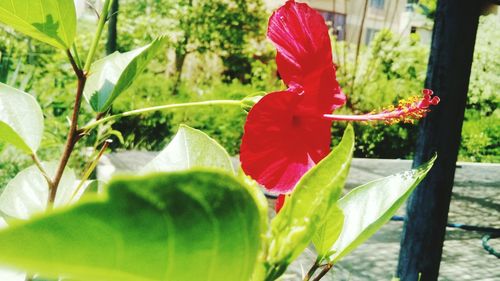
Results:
368 207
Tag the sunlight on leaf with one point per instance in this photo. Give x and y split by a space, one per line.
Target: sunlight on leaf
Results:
27 194
183 226
21 119
190 148
10 274
50 21
318 191
112 75
368 207
329 231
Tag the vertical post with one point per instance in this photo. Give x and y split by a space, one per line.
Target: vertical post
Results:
450 61
111 44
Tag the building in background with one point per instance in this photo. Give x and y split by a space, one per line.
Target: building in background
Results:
346 16
413 21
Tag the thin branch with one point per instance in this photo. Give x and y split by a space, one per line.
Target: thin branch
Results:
72 138
77 56
44 173
312 270
79 73
91 167
74 135
158 108
323 272
95 42
358 47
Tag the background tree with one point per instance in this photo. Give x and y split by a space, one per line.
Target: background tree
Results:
223 28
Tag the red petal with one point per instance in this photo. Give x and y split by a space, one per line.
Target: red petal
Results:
305 54
301 37
279 147
280 202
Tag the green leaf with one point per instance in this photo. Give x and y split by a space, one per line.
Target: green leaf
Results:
302 214
28 192
7 274
188 149
262 205
112 75
329 231
50 21
368 207
191 225
21 119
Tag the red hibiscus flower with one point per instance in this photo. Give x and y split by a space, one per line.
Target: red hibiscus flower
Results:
288 132
279 144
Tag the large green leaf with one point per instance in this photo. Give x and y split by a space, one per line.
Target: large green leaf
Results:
21 119
368 207
317 192
112 75
329 231
50 21
188 149
191 225
27 194
7 274
262 205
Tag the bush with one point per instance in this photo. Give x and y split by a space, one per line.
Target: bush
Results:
481 139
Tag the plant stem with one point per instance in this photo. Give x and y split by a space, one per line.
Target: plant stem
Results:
79 73
74 134
100 26
72 139
323 272
275 272
312 270
39 165
91 167
158 108
77 57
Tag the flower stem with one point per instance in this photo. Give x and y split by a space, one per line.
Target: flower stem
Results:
100 26
158 108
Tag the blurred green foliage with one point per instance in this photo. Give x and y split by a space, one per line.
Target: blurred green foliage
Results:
481 139
484 87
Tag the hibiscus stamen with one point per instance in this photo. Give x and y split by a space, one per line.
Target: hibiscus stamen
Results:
407 111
